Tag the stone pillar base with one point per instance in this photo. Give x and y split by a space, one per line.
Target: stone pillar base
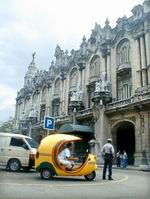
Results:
137 158
149 74
144 167
142 160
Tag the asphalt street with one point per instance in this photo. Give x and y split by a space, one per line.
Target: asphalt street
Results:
127 184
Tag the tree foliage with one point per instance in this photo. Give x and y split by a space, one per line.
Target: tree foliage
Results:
7 126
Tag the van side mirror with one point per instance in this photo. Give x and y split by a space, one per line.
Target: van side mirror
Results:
25 146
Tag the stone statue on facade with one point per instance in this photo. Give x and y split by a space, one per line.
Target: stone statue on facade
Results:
73 97
31 113
33 56
79 92
97 86
104 83
58 51
23 116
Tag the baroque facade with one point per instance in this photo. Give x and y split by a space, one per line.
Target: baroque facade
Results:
104 85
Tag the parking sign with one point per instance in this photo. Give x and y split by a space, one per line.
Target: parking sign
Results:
49 123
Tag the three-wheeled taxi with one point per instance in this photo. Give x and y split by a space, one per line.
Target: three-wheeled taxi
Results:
47 162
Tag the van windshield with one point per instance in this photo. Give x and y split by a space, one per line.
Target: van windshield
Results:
32 143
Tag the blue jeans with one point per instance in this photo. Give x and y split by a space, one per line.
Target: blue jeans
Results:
108 160
123 163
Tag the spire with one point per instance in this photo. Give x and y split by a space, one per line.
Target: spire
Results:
83 46
33 57
107 30
31 71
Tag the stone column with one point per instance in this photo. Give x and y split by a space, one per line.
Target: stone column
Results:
83 84
108 68
147 42
80 74
83 77
103 64
51 97
64 96
48 102
143 61
39 102
31 100
17 112
137 58
138 142
61 96
101 128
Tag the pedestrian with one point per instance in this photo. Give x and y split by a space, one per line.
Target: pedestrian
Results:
108 154
124 159
118 154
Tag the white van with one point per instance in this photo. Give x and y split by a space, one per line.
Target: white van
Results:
17 151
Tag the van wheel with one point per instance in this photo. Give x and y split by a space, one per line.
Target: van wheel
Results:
90 176
46 174
14 165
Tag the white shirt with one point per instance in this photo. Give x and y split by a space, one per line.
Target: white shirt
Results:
108 148
64 154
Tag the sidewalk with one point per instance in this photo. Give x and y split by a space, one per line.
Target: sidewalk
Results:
130 167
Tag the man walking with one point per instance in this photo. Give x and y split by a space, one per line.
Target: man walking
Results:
108 153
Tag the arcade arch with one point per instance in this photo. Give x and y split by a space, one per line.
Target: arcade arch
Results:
123 134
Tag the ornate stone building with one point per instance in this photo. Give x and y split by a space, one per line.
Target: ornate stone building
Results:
101 90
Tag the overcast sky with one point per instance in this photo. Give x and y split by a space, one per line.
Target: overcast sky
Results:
39 25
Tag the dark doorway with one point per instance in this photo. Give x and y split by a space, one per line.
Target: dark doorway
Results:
126 140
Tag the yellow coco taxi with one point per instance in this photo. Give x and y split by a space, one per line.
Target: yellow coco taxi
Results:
47 162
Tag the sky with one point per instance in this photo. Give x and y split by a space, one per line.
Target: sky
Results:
28 26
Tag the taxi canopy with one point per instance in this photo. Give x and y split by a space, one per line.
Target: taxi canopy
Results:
49 142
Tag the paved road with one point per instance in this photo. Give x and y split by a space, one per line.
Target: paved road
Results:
127 184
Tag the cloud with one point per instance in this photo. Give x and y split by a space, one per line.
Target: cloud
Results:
7 102
7 97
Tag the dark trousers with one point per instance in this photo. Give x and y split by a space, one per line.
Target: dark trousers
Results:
118 161
108 159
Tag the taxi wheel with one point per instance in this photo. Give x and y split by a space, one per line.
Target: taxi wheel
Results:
90 176
46 174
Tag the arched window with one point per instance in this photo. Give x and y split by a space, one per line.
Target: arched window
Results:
44 95
124 86
35 99
56 98
57 89
73 79
95 68
123 52
27 105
